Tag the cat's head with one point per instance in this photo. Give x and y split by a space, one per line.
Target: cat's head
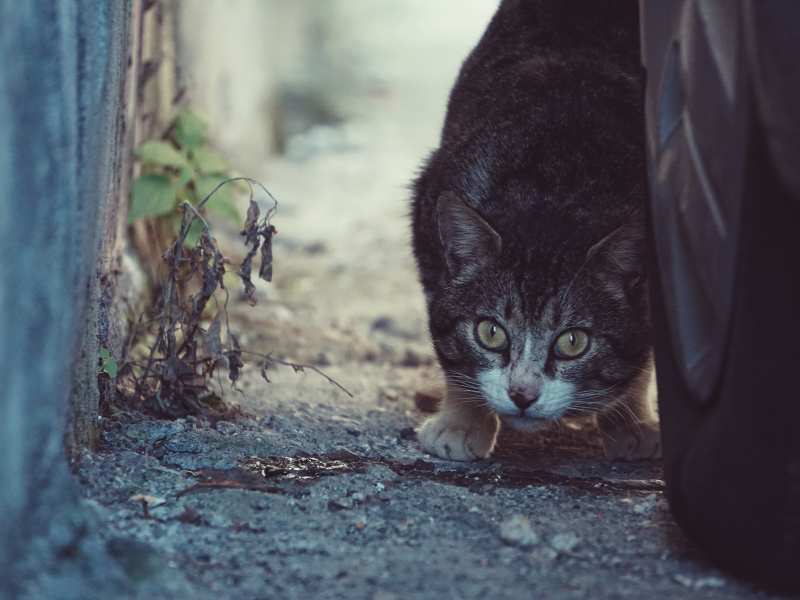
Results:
538 334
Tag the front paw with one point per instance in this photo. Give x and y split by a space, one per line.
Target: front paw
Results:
451 436
640 441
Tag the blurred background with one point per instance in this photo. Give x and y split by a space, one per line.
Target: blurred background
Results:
333 105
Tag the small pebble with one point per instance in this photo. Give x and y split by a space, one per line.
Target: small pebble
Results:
517 530
150 501
315 248
700 582
322 360
391 327
565 542
647 505
226 428
392 395
544 554
709 582
338 504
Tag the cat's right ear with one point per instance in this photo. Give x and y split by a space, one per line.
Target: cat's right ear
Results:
621 257
469 242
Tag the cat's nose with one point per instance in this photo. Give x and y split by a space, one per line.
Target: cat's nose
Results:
521 399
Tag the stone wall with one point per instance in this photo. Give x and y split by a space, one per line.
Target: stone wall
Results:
64 154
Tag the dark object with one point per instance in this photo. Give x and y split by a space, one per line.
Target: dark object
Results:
408 434
722 95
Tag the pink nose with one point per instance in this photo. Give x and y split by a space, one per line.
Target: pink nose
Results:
522 399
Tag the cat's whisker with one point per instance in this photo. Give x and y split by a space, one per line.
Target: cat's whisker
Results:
577 411
585 410
454 377
467 392
465 384
468 397
622 414
632 418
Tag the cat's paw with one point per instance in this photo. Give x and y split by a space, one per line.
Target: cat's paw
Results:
451 436
636 442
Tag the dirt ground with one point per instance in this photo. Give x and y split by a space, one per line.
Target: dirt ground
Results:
316 494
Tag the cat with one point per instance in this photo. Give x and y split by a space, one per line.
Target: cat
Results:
528 231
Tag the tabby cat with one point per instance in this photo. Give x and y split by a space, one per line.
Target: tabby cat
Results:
528 231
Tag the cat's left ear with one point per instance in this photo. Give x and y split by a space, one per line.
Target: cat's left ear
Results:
469 242
620 256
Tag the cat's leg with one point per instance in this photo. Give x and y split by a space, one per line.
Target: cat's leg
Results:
461 430
630 427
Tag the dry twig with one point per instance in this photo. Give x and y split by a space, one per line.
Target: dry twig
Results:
175 379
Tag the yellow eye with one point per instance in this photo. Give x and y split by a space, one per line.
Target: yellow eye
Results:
491 335
572 344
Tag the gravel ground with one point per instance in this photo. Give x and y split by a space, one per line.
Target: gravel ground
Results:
316 494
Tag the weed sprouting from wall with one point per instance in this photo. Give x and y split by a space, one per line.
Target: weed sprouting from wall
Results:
179 353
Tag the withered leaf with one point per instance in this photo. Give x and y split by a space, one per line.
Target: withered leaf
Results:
245 274
235 363
265 270
251 221
212 265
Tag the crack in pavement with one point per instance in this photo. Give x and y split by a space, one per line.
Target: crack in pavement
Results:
263 473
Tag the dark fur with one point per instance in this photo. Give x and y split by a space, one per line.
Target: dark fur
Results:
544 139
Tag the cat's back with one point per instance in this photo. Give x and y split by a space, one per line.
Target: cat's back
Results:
513 61
543 129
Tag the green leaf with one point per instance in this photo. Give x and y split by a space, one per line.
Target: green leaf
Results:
151 196
186 175
190 130
222 202
111 368
156 152
107 363
209 161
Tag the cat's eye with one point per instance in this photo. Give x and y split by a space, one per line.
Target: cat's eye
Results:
491 336
571 344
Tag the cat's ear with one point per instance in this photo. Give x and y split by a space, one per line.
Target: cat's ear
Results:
469 242
619 257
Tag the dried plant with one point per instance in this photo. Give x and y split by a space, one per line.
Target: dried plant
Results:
185 354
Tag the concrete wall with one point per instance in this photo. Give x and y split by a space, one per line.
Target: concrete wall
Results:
227 57
243 62
62 150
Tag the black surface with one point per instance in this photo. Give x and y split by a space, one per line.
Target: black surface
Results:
733 466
